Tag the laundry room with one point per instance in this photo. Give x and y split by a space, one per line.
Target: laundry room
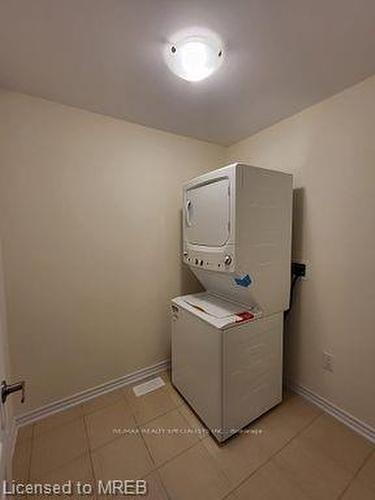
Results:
187 200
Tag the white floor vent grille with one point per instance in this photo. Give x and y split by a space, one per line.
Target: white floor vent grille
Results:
150 385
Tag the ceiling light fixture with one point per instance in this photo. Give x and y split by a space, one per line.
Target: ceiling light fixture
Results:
194 57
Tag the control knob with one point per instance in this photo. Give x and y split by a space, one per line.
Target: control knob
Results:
227 260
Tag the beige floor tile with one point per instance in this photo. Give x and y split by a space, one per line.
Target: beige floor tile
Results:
59 497
358 491
239 456
102 424
167 436
100 402
194 475
269 483
367 473
177 398
57 447
78 469
248 450
155 488
316 474
165 375
273 431
296 412
151 405
123 458
74 471
199 428
174 393
21 460
56 420
338 442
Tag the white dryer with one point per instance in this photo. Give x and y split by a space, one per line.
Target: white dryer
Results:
237 234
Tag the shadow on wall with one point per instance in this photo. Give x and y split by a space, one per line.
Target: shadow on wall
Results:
297 218
291 337
188 282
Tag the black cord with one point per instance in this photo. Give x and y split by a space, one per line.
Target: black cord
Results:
295 278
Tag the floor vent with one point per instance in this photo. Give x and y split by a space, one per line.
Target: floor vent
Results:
149 386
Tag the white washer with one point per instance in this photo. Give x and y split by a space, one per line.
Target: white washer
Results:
229 372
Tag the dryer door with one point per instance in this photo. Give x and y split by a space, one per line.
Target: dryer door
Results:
207 213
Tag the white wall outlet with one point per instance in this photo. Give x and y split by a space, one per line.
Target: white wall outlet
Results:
328 361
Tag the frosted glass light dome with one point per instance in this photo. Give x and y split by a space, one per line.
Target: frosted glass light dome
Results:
194 57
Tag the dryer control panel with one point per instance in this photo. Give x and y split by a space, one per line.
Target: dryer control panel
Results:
213 261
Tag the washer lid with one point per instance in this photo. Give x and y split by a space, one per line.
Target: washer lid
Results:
217 311
212 305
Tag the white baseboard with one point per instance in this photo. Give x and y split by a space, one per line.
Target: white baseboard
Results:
82 397
346 418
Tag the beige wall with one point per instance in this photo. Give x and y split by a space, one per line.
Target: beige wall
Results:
330 149
89 215
90 220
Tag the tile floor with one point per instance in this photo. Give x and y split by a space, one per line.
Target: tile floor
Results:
294 452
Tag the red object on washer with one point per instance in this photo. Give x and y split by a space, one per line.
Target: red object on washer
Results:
245 316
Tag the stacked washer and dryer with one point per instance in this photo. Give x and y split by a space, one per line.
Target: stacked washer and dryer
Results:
227 341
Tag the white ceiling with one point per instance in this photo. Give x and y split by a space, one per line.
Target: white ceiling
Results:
106 56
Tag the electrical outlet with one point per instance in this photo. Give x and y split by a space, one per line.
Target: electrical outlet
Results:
327 361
